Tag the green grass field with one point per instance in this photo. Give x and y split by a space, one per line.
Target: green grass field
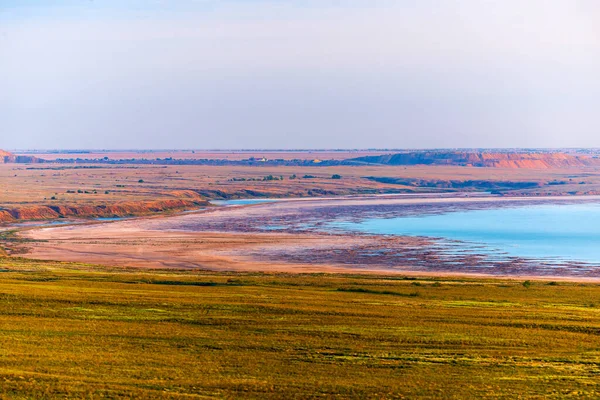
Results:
73 331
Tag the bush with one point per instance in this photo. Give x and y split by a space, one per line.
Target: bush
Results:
336 176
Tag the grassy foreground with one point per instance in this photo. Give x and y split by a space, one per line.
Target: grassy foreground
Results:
74 331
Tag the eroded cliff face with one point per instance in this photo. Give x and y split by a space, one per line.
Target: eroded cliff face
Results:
186 200
483 159
6 157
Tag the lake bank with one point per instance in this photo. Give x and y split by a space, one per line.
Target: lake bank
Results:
239 238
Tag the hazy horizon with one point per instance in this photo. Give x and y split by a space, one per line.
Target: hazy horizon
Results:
310 74
291 150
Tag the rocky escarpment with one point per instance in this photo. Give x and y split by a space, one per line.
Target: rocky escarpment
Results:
186 201
482 159
6 157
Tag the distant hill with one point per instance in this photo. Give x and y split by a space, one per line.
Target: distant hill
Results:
482 159
6 157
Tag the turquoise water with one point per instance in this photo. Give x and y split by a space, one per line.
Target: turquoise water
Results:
550 232
241 202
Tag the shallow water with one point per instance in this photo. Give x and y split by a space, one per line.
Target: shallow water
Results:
241 202
557 232
44 223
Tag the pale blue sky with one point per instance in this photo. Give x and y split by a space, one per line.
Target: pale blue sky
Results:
299 74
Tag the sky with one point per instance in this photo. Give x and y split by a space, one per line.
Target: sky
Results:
230 74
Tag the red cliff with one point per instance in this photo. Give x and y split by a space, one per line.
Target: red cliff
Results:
6 157
482 159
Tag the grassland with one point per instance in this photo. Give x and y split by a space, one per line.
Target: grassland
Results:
80 331
73 330
90 184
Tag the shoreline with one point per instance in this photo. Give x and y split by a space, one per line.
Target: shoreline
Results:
175 242
382 198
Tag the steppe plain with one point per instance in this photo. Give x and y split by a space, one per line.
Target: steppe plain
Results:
141 308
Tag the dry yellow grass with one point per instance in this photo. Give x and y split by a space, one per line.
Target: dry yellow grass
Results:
73 330
37 184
